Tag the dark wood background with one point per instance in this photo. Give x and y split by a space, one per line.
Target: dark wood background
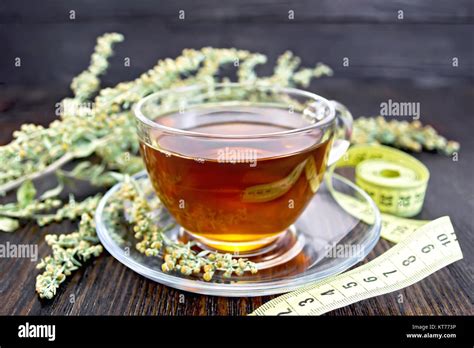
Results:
402 60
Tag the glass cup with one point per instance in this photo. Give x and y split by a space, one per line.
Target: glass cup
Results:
236 165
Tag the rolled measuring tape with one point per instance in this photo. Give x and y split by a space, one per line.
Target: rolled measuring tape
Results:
396 181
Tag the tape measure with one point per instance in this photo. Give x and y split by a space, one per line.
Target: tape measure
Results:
430 248
270 191
395 180
394 229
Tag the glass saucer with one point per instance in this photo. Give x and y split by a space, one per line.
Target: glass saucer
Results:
324 241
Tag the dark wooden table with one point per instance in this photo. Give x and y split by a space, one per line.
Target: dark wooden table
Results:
105 286
403 59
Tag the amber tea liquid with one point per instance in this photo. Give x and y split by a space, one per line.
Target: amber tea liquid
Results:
236 194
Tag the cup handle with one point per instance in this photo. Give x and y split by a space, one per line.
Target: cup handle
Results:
344 122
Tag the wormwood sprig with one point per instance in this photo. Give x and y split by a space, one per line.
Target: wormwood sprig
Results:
152 240
71 210
70 251
37 151
45 209
87 83
27 206
405 135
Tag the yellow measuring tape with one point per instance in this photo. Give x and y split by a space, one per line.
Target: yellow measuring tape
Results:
394 228
397 182
430 248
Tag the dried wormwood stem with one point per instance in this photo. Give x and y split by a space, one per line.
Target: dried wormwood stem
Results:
177 256
411 136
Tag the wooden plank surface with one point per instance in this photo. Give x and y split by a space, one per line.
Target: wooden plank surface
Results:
371 11
54 48
107 287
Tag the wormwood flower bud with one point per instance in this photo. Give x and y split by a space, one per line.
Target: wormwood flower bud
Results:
170 264
208 268
208 276
156 245
151 252
186 270
242 263
165 268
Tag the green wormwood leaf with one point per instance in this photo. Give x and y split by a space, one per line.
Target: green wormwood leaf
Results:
26 193
8 224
